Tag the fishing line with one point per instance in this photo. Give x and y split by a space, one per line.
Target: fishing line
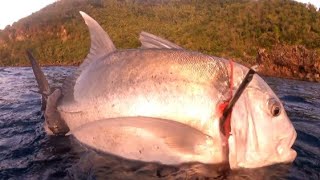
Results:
226 112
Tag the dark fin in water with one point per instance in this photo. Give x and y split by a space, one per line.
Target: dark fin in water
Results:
151 41
53 119
101 45
43 85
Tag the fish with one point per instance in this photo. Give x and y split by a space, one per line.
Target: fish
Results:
163 81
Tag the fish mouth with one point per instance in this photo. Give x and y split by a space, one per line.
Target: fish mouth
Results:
284 149
288 156
283 154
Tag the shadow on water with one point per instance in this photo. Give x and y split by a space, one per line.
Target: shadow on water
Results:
26 152
98 165
94 165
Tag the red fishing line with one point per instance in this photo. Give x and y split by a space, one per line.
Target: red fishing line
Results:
223 105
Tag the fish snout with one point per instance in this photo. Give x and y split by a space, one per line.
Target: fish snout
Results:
284 150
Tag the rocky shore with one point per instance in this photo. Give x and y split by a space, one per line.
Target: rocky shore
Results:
293 62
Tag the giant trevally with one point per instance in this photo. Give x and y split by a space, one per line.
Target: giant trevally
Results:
168 86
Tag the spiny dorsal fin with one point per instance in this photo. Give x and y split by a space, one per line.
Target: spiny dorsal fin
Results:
151 41
101 45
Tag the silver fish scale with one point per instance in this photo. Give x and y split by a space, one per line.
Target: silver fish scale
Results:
153 68
201 68
217 70
146 70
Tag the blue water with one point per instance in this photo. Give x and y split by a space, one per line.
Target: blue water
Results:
26 152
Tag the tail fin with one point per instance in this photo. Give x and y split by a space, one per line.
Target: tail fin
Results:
43 85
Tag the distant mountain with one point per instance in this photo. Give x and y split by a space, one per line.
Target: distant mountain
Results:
229 28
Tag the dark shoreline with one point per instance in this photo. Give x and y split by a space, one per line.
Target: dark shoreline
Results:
293 62
261 73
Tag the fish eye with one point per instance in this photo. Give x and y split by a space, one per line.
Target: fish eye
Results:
274 107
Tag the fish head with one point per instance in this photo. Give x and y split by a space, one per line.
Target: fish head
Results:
261 132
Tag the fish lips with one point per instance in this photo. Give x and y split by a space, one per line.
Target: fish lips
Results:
284 149
283 153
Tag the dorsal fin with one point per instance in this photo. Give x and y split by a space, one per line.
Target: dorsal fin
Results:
101 45
151 41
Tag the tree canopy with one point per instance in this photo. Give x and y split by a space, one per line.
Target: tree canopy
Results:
228 28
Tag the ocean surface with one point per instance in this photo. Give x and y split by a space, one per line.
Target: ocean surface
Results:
26 152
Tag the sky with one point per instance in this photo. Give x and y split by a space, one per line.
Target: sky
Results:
13 10
314 2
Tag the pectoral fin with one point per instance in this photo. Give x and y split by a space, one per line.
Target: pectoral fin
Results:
143 138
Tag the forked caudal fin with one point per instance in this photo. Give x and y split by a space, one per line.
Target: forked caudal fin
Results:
49 100
43 85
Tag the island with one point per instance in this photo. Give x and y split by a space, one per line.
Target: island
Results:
281 36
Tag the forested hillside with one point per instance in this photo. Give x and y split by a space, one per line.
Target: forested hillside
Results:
229 28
